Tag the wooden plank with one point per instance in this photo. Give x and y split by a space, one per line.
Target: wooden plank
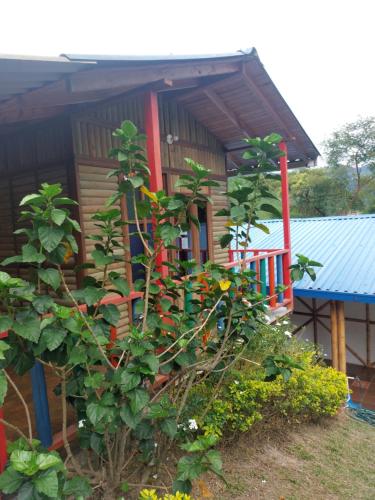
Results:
115 78
341 336
334 338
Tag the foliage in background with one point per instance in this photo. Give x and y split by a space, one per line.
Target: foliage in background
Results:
346 185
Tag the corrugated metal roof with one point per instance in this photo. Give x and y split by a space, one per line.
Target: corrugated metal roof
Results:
157 58
345 245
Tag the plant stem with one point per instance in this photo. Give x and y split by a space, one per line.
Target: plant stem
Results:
28 418
64 426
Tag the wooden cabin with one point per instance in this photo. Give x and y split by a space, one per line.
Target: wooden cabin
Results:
56 121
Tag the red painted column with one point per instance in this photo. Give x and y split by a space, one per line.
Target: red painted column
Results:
286 219
152 130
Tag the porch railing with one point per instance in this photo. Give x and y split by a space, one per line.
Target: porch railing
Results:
271 271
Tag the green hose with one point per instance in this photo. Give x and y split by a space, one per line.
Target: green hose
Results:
363 415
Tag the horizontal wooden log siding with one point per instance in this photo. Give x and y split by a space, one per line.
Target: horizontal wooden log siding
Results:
27 158
93 139
194 140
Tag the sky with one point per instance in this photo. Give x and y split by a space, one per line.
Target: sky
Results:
320 54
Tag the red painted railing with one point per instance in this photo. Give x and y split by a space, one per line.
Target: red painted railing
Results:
271 269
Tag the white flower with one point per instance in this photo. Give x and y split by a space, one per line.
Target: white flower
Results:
285 322
288 334
156 445
155 476
81 423
193 426
236 382
264 481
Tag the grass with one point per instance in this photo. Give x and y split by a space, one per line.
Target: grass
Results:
331 460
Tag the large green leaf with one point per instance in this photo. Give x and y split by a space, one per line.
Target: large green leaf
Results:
151 361
110 313
25 462
3 387
96 412
53 337
28 328
3 347
168 233
138 399
58 216
101 259
92 295
77 486
31 254
32 199
51 277
130 419
47 460
121 285
169 427
129 380
5 323
10 481
47 483
50 237
189 468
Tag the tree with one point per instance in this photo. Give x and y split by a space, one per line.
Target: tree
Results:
353 146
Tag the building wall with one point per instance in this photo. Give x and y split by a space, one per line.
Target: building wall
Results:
92 139
355 332
28 157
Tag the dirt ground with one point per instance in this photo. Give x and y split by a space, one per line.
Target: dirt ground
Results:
334 460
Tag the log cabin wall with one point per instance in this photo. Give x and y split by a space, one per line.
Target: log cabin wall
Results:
92 139
28 157
193 140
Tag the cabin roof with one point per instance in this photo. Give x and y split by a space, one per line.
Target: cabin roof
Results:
231 94
343 244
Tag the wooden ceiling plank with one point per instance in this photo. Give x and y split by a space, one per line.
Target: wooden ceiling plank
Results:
222 107
253 87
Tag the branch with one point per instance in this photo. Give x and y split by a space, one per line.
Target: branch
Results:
28 418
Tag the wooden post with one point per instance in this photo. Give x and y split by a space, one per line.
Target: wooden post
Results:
286 218
368 336
341 336
334 343
154 160
315 322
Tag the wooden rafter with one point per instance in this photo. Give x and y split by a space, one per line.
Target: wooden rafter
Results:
254 88
223 108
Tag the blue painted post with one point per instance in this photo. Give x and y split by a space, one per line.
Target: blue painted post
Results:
279 275
41 408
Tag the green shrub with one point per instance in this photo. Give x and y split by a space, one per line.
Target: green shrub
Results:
314 393
246 398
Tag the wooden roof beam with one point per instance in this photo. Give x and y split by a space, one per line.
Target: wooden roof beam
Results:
253 87
223 108
111 78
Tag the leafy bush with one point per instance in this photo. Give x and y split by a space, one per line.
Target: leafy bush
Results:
152 495
246 397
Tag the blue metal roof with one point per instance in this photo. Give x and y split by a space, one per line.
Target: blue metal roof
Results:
345 245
